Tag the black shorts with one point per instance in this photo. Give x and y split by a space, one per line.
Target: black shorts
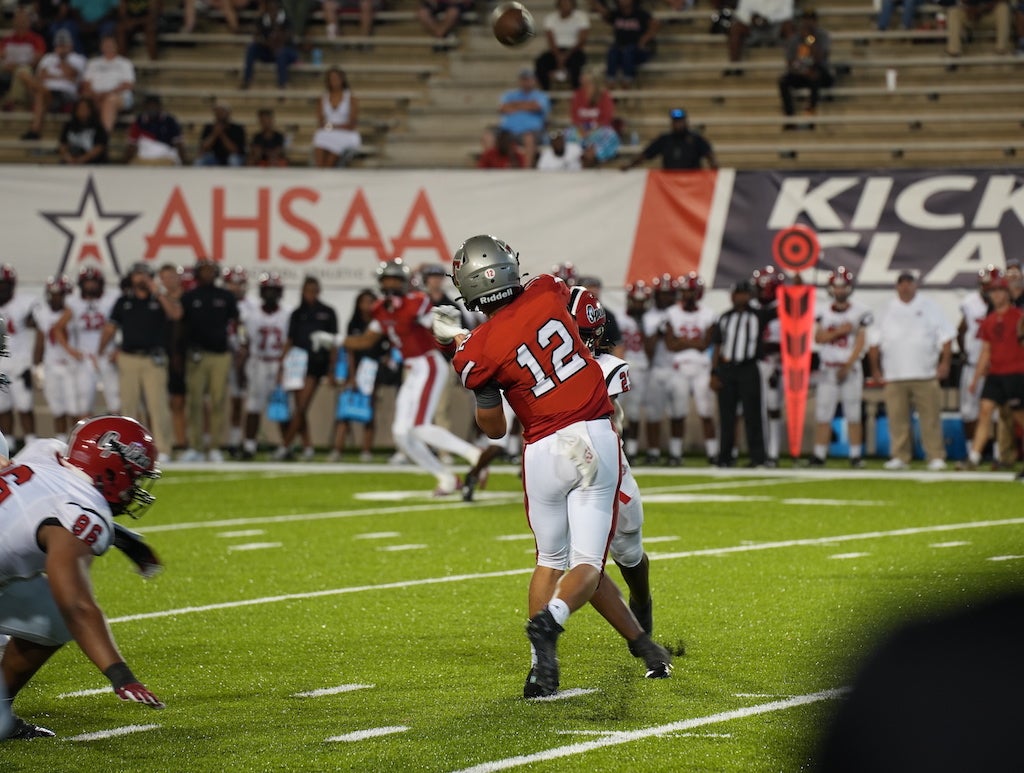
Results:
318 365
1005 389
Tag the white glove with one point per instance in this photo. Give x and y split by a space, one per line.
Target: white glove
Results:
321 339
447 324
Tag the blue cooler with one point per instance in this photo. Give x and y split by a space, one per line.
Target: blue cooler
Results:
840 445
953 436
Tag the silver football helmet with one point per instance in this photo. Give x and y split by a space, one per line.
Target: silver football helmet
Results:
486 271
395 269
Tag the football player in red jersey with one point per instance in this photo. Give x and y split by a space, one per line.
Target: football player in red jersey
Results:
529 348
404 316
56 516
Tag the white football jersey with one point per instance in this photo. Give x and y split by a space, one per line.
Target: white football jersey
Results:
829 318
246 309
690 324
652 321
46 320
267 331
21 336
974 310
632 340
616 374
88 318
36 487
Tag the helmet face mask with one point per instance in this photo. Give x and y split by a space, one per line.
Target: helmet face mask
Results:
589 316
393 278
840 284
666 291
486 272
91 282
638 298
271 288
767 282
691 289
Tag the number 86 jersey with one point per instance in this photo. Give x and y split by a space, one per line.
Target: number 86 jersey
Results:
532 350
35 488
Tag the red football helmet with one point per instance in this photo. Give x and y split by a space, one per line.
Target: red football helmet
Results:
767 281
638 295
271 279
119 455
566 272
188 280
692 284
840 282
235 275
91 274
8 274
666 290
589 315
991 278
58 285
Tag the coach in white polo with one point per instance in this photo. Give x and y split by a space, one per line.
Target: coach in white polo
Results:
911 348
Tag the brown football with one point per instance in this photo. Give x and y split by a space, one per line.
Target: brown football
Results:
512 24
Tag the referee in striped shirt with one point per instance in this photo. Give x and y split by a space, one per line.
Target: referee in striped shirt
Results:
735 377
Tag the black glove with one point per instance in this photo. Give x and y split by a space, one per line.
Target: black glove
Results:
131 544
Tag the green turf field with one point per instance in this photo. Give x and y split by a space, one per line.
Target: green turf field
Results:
322 621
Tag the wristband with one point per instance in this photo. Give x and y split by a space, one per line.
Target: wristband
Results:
119 675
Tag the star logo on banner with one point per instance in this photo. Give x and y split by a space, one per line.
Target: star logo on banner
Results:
90 231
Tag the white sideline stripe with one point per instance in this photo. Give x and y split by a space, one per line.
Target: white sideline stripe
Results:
616 739
377 535
1004 558
513 537
844 556
833 502
561 695
99 735
393 548
650 540
529 570
242 533
332 690
254 546
84 693
702 735
953 544
759 695
362 735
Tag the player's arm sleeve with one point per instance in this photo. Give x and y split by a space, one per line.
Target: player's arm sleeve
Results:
487 396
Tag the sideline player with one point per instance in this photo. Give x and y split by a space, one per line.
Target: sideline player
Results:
766 282
688 337
266 326
16 311
404 316
661 376
60 359
529 347
56 516
638 301
236 281
973 309
841 333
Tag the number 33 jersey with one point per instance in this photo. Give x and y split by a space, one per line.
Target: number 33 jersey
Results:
35 488
532 350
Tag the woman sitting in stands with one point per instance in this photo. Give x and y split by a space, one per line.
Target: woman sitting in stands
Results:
339 112
592 114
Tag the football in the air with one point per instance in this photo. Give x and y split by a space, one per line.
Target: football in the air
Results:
512 24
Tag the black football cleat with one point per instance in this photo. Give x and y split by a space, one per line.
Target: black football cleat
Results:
644 614
543 632
469 487
26 731
656 658
856 463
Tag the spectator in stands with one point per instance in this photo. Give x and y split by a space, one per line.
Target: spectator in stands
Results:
51 16
911 348
20 52
679 148
592 115
83 140
272 43
967 13
337 138
55 86
559 155
229 8
889 6
108 81
439 17
155 136
760 21
524 114
143 315
566 30
367 10
267 147
209 311
1018 28
501 152
311 316
222 142
633 43
807 64
97 19
135 15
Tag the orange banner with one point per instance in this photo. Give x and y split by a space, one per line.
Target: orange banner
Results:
796 319
673 219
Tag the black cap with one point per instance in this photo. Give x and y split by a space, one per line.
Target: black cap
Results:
906 276
743 286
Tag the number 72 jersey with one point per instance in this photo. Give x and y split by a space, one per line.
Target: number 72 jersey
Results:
35 488
532 350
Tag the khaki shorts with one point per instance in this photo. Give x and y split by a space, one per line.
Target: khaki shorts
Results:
28 611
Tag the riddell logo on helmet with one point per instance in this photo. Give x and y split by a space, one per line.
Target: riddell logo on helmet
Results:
110 442
500 295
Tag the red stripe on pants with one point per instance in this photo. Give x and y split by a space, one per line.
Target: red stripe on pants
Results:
421 412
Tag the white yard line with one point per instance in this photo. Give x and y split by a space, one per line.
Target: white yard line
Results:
332 690
85 693
377 535
254 546
396 548
746 548
952 544
1005 558
242 533
846 556
616 739
362 735
561 695
100 735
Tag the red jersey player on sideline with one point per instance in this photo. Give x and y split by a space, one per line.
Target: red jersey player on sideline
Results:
530 348
404 316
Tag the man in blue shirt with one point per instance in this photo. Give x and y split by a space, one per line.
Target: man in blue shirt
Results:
524 114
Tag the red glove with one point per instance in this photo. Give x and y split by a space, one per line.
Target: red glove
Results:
139 693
